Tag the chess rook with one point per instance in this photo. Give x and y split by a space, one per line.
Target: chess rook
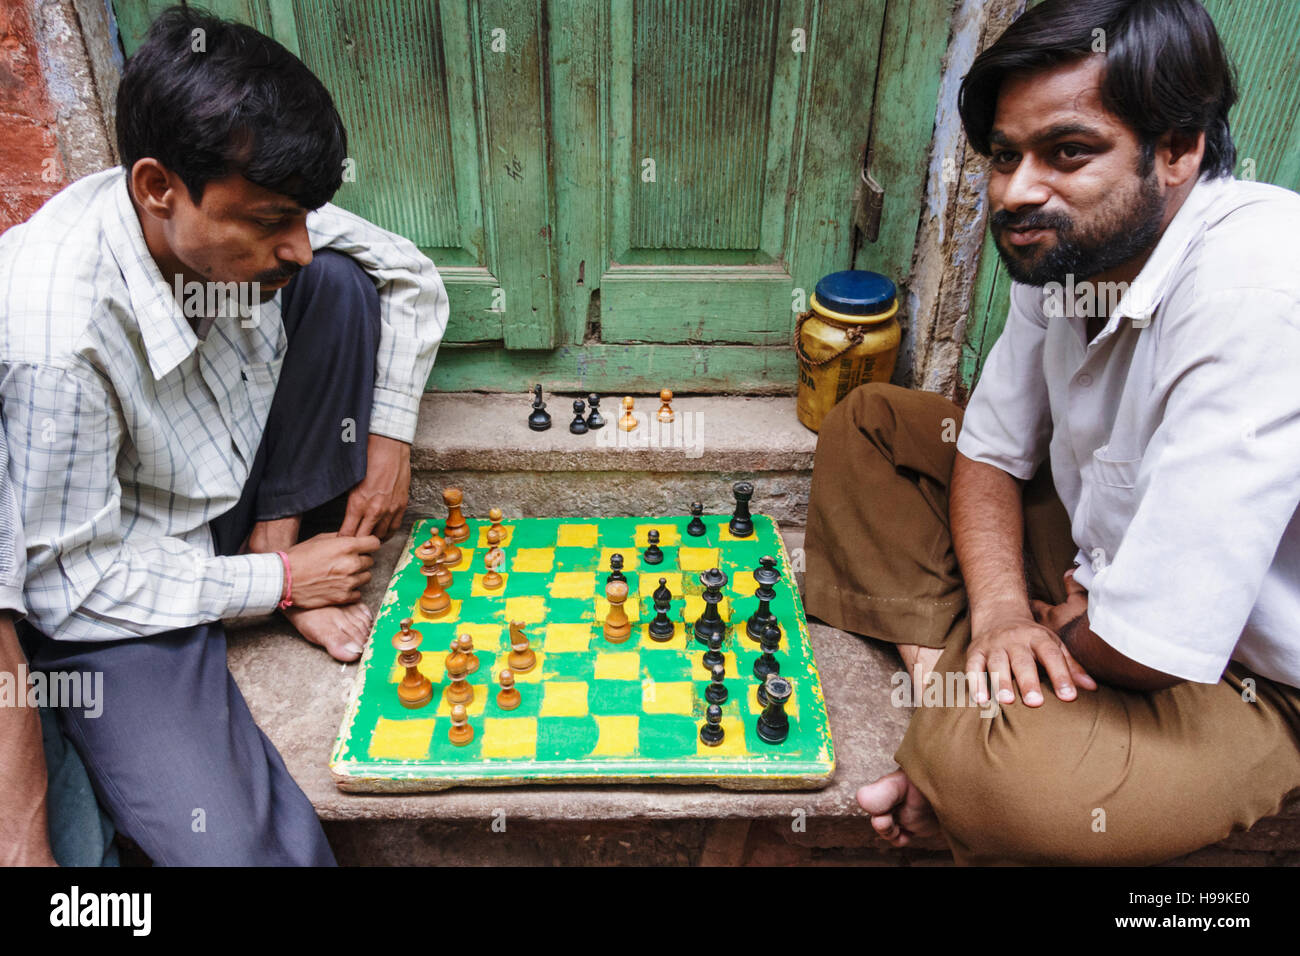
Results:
742 524
773 724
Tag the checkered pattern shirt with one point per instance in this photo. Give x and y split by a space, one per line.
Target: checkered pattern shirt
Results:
128 432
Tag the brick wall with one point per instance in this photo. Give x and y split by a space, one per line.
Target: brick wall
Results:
29 149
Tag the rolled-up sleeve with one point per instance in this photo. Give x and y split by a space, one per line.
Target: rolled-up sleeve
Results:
1008 422
413 311
85 580
12 553
1217 488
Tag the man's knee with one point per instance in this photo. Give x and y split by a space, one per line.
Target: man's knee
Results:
336 284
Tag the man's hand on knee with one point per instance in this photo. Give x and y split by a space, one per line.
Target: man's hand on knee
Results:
1010 648
376 505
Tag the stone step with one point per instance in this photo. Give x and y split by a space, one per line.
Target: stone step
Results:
481 444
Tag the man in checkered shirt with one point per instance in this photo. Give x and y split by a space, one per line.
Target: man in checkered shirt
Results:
196 349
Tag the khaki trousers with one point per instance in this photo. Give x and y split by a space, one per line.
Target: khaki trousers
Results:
1112 777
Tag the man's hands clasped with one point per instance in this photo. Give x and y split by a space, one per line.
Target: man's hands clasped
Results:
1013 645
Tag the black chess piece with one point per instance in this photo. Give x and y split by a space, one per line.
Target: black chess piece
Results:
766 665
711 621
713 656
595 419
653 554
716 692
578 426
661 628
773 724
711 732
615 569
696 527
742 525
540 419
766 575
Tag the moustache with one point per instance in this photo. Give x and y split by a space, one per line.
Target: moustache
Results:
1002 219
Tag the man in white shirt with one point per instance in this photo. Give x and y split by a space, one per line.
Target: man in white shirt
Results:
197 349
1150 357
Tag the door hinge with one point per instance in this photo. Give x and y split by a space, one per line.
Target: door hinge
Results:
868 201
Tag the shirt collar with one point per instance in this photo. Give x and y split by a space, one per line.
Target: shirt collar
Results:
167 336
1145 293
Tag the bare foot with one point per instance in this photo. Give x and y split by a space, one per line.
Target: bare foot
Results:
900 812
342 630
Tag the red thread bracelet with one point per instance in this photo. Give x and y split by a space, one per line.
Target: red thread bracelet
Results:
288 581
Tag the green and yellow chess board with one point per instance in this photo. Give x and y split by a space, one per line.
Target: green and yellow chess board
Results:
592 711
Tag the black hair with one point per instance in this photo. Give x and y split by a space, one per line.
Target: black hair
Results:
1166 69
228 100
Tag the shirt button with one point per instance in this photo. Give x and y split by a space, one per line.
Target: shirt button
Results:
1085 379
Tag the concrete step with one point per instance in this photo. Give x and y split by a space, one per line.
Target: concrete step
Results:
482 445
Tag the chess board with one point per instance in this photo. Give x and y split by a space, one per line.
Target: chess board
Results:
592 711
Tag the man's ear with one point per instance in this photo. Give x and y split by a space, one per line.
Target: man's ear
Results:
152 188
1178 157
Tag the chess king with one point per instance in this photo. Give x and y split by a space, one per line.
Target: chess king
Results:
200 439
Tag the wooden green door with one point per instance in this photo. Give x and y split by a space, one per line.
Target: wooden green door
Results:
622 195
1263 42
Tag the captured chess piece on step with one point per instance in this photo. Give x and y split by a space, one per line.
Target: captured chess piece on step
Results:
540 419
415 690
666 415
628 421
617 624
578 426
595 419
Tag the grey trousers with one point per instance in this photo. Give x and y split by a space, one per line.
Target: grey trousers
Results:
175 757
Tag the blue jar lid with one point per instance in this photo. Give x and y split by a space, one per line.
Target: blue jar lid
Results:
856 292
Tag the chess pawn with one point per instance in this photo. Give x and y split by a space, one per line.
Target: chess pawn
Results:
713 656
696 527
434 601
465 644
711 733
459 691
433 556
578 426
415 690
508 697
457 529
540 419
653 554
716 692
628 421
767 664
773 724
494 515
615 569
617 625
522 659
665 408
595 419
460 733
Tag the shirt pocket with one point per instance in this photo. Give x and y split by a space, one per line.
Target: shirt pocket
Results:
1110 487
259 382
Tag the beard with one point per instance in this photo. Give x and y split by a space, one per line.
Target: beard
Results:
1128 226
